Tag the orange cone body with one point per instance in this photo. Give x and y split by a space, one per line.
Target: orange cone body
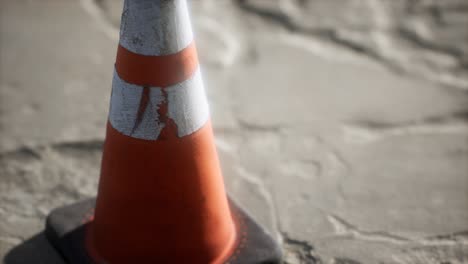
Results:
164 199
161 196
161 188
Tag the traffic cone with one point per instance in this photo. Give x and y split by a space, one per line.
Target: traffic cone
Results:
161 196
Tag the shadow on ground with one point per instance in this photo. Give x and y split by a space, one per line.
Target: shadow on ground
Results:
35 250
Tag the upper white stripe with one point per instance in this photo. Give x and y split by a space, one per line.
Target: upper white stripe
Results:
155 27
186 102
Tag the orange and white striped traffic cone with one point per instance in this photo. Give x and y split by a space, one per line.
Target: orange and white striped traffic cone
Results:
161 196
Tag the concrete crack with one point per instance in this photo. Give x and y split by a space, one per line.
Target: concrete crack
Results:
247 126
93 144
337 158
424 44
35 151
279 18
447 239
324 33
23 151
302 251
263 190
365 131
387 33
344 228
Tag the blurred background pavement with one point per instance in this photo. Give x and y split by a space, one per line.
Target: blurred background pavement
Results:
342 126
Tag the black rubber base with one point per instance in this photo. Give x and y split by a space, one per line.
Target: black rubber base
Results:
65 229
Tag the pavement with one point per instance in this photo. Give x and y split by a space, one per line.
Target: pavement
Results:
342 126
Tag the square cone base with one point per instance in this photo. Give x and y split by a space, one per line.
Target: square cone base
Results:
66 227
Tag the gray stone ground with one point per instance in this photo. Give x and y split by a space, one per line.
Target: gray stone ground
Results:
342 125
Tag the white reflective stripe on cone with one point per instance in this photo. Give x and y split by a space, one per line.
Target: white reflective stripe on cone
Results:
186 104
155 27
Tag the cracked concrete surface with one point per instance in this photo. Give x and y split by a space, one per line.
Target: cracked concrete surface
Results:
341 125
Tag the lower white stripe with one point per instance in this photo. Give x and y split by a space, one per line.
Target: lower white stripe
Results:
186 106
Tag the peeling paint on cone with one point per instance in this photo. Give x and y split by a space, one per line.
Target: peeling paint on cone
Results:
136 113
